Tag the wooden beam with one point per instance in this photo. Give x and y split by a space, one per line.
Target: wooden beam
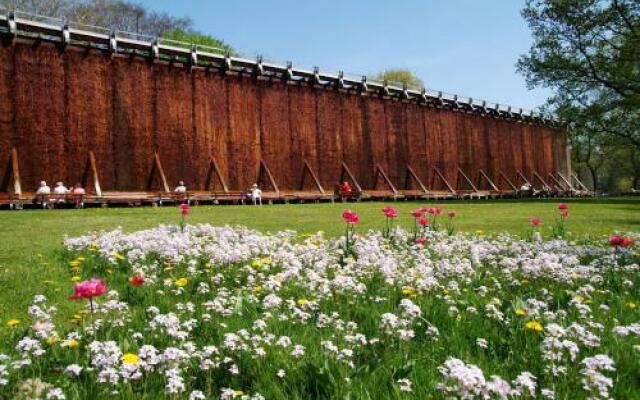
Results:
481 175
380 172
345 169
521 175
582 185
466 178
537 176
306 167
504 178
15 170
555 180
412 174
156 168
565 180
444 180
214 171
265 168
90 166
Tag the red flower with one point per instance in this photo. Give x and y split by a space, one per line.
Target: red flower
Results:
88 289
185 209
434 210
350 217
423 221
563 206
345 187
421 240
627 241
137 280
616 240
535 221
390 212
451 214
417 213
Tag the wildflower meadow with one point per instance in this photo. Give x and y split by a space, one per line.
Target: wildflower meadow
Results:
195 311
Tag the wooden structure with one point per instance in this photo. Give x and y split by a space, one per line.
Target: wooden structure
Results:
220 123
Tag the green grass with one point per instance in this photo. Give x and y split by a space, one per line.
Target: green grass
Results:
29 239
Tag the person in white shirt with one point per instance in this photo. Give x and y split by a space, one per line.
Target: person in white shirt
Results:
181 188
60 191
255 194
42 194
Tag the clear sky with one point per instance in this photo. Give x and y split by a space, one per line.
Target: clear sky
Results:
468 47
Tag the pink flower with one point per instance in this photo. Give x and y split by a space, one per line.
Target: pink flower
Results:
423 221
535 221
417 213
421 240
563 206
615 240
88 289
185 209
345 188
350 217
434 210
390 212
451 214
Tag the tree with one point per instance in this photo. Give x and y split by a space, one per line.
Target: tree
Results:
588 51
399 75
194 37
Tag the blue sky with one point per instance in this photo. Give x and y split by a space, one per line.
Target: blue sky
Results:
468 47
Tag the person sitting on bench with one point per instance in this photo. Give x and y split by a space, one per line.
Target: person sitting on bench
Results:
526 190
255 194
345 190
78 195
60 191
180 189
42 194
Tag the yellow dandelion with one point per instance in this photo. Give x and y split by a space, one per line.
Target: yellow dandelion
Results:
237 393
75 279
408 291
74 264
130 358
265 260
118 256
631 305
521 312
71 343
52 340
257 289
182 282
302 302
255 263
534 326
13 322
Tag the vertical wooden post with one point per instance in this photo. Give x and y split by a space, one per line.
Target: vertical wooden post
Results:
94 171
15 169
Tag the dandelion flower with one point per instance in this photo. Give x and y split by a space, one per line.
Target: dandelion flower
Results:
182 282
534 326
631 305
13 322
130 359
521 312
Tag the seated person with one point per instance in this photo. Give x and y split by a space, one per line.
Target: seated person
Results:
60 191
181 188
255 194
78 195
345 189
42 194
525 189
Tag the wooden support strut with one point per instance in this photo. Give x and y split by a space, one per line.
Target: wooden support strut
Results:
412 174
466 178
555 180
444 180
91 167
521 175
566 181
345 169
483 175
380 172
157 168
511 185
582 185
214 169
265 168
306 167
537 176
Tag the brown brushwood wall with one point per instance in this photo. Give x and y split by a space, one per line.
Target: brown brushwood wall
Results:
55 106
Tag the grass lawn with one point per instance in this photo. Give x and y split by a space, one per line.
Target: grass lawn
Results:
29 240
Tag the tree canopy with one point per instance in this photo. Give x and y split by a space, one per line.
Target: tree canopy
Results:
588 52
399 75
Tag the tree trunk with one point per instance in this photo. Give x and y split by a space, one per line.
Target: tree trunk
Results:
594 177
